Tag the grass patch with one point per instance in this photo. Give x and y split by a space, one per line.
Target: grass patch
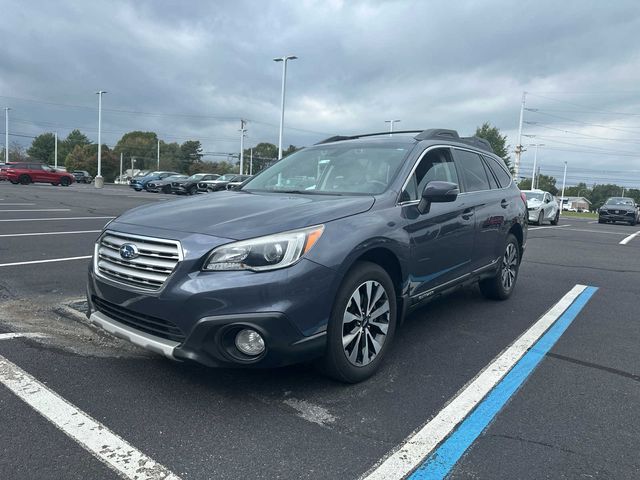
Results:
591 215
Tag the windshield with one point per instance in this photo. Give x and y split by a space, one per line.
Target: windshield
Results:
175 177
620 201
534 196
226 178
335 169
197 176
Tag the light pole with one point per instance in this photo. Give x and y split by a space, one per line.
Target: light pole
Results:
158 155
391 122
284 81
120 177
99 183
564 180
6 134
133 161
535 162
516 167
55 151
242 134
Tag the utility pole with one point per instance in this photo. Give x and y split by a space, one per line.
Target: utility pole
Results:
391 122
6 134
158 155
120 177
55 152
251 163
242 132
516 167
622 192
564 180
133 161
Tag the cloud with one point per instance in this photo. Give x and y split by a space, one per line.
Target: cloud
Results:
430 64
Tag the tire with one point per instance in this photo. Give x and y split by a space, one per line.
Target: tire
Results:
192 190
501 285
14 182
54 184
65 182
601 221
166 189
359 360
632 223
24 179
540 218
556 219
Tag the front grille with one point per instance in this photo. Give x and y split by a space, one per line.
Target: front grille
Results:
156 260
139 321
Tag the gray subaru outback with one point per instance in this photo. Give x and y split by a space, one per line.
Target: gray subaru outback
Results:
319 257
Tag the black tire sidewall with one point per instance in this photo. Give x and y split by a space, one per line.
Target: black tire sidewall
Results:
503 292
336 362
65 182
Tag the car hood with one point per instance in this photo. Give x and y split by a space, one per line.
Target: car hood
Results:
534 202
241 215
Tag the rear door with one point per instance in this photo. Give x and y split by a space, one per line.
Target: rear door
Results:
486 199
442 239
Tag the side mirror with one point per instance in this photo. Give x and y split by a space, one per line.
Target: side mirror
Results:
437 192
546 200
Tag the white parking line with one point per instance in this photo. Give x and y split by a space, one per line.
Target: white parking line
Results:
41 210
57 218
105 445
32 262
47 233
420 444
9 336
629 238
17 204
548 226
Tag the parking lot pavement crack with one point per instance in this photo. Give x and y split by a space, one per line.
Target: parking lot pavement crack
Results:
535 442
586 267
582 363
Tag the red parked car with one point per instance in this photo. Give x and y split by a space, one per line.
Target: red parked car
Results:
29 172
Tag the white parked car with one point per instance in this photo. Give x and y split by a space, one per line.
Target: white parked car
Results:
542 206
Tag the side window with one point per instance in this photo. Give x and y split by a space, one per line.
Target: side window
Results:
493 183
504 177
437 164
472 170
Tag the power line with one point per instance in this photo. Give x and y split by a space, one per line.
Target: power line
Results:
583 106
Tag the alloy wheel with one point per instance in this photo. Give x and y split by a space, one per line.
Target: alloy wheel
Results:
365 323
509 266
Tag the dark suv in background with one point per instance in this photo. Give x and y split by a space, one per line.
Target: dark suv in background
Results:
619 209
274 274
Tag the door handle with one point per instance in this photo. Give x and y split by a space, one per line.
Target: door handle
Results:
468 213
504 203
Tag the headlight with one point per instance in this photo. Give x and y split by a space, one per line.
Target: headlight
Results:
264 253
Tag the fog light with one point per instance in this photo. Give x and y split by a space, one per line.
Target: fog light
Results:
250 342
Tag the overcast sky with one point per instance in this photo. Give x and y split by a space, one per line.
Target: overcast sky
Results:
191 70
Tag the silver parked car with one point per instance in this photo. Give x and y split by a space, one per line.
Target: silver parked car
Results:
542 206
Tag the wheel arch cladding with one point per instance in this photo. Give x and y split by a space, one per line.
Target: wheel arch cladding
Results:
516 230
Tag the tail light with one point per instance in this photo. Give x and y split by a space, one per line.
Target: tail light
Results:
524 198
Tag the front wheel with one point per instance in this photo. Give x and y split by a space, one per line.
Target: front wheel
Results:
362 324
65 182
540 218
556 219
501 285
24 179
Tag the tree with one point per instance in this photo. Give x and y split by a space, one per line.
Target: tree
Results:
264 155
43 148
498 142
16 153
86 158
75 138
543 182
141 145
190 154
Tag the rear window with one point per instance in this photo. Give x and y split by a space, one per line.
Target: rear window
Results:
501 174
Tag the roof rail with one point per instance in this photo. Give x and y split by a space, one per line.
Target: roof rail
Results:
340 138
435 133
478 142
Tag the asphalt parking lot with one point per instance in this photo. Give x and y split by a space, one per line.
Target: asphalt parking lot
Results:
575 416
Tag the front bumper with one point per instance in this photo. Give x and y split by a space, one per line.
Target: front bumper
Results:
533 215
202 311
617 217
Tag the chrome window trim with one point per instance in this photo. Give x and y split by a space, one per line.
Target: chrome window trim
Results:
427 150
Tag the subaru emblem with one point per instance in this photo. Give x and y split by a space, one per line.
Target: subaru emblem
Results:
128 251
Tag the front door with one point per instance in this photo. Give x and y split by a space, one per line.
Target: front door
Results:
441 240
